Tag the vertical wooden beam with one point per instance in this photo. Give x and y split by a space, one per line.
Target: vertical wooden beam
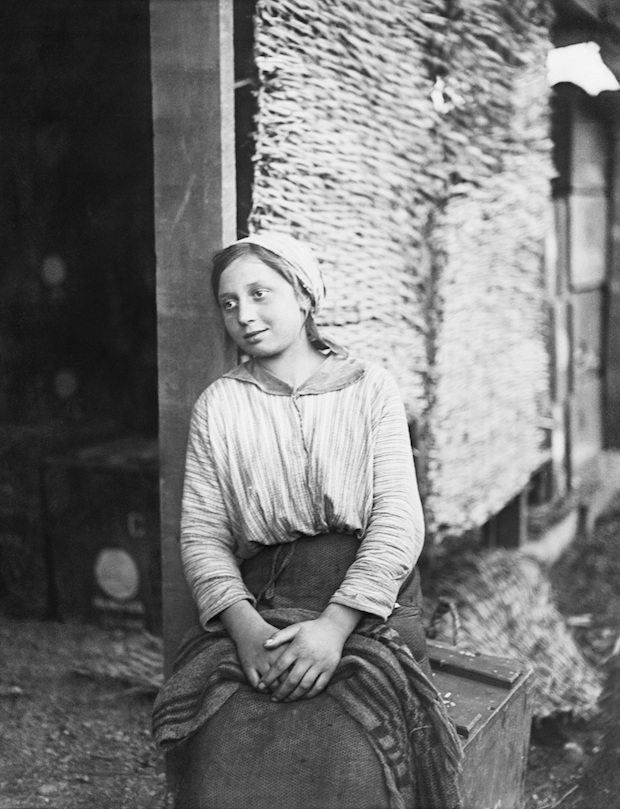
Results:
193 122
611 351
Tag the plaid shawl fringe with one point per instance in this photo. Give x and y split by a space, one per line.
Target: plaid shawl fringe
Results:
378 683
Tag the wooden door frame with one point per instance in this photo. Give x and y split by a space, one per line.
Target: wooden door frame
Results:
195 214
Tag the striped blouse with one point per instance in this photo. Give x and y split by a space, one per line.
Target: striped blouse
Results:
267 464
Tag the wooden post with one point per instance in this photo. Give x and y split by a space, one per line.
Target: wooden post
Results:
612 325
193 120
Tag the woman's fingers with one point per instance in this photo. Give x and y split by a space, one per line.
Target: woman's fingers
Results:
306 683
281 665
320 684
253 677
281 636
280 681
311 645
294 681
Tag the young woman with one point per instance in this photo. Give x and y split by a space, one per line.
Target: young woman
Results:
302 521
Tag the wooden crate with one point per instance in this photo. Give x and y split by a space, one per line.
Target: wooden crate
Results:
102 531
487 698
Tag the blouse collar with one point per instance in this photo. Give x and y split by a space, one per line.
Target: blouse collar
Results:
335 373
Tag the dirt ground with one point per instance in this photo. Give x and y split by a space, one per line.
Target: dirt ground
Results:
72 740
576 765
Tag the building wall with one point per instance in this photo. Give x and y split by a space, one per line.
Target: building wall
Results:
407 141
345 137
581 285
490 417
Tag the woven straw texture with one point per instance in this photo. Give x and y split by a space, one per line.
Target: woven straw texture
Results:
392 136
490 400
343 147
504 606
135 659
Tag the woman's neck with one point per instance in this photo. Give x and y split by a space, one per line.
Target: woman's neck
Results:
294 366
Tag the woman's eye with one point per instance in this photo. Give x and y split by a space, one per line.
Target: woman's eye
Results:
228 306
260 293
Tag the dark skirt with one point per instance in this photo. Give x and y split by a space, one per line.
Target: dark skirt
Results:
306 573
337 750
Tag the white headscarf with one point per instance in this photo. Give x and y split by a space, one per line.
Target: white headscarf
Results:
301 258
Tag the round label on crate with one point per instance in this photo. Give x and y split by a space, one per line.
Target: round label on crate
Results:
117 574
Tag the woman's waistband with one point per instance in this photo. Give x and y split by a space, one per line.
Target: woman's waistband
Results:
307 572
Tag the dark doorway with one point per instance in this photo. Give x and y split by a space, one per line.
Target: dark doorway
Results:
77 276
77 270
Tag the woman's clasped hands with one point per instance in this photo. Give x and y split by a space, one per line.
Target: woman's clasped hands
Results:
294 662
309 654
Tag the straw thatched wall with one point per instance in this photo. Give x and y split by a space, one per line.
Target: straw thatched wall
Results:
389 137
343 146
490 361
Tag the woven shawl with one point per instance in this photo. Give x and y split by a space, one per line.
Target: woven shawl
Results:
378 683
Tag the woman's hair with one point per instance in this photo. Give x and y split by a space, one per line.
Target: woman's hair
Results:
224 258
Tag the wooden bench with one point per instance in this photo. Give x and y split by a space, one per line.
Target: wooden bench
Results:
488 699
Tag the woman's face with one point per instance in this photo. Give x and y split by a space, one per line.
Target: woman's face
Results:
262 312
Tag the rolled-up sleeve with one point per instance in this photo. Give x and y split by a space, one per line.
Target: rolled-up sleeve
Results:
394 537
207 544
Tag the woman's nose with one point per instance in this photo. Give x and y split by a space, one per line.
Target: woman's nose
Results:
245 312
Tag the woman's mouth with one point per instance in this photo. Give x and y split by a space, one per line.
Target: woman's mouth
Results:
253 336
